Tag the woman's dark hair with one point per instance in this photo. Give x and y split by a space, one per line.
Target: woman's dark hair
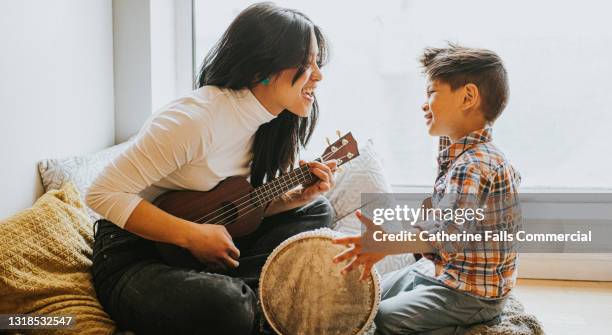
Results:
263 40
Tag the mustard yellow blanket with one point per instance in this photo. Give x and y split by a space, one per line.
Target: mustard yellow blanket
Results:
45 260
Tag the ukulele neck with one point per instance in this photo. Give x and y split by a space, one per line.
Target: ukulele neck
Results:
281 185
342 151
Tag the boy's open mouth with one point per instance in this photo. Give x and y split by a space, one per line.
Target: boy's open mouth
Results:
428 117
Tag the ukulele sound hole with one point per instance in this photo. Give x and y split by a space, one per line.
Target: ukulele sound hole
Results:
228 213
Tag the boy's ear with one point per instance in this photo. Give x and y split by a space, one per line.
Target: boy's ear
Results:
471 96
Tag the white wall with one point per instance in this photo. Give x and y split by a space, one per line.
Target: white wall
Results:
56 88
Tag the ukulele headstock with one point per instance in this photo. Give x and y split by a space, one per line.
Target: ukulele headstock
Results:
342 150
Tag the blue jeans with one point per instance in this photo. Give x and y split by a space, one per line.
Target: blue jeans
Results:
145 295
415 304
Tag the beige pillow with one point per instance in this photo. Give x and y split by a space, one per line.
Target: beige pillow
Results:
45 252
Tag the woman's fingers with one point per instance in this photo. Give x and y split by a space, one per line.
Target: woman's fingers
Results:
325 172
317 165
325 169
233 252
323 186
230 262
332 165
325 181
321 174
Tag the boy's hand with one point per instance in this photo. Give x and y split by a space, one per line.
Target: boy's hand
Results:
355 253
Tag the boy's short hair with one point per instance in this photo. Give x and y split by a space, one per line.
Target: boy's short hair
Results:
458 66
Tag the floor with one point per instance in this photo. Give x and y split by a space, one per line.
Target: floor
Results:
568 307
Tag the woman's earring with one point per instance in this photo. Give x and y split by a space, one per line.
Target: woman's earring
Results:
266 81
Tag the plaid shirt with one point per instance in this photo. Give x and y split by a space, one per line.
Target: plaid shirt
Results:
473 173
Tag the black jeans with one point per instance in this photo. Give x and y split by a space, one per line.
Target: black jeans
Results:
145 295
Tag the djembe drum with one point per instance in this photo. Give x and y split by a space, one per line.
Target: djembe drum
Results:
302 291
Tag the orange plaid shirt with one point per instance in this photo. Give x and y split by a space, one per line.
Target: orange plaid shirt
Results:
472 173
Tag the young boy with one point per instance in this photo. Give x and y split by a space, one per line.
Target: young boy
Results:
467 90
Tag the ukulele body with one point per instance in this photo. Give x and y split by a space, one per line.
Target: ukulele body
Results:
230 204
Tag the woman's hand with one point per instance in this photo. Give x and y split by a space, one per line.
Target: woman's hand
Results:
355 251
302 196
212 244
325 173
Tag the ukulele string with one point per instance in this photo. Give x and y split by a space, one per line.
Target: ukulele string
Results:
231 209
241 215
236 206
253 209
240 207
227 208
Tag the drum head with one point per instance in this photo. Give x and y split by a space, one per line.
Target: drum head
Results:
303 292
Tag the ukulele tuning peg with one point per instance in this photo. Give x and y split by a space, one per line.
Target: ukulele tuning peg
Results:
349 155
344 141
338 133
328 141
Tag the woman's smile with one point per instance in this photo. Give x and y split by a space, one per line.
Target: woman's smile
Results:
308 93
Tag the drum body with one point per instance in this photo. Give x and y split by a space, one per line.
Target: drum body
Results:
302 291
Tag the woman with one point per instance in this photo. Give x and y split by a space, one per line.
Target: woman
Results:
255 107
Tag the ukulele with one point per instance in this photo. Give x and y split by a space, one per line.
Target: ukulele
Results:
235 204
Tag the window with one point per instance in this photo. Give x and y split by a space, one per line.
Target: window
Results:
557 54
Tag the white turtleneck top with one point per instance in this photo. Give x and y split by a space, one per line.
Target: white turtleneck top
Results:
192 143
